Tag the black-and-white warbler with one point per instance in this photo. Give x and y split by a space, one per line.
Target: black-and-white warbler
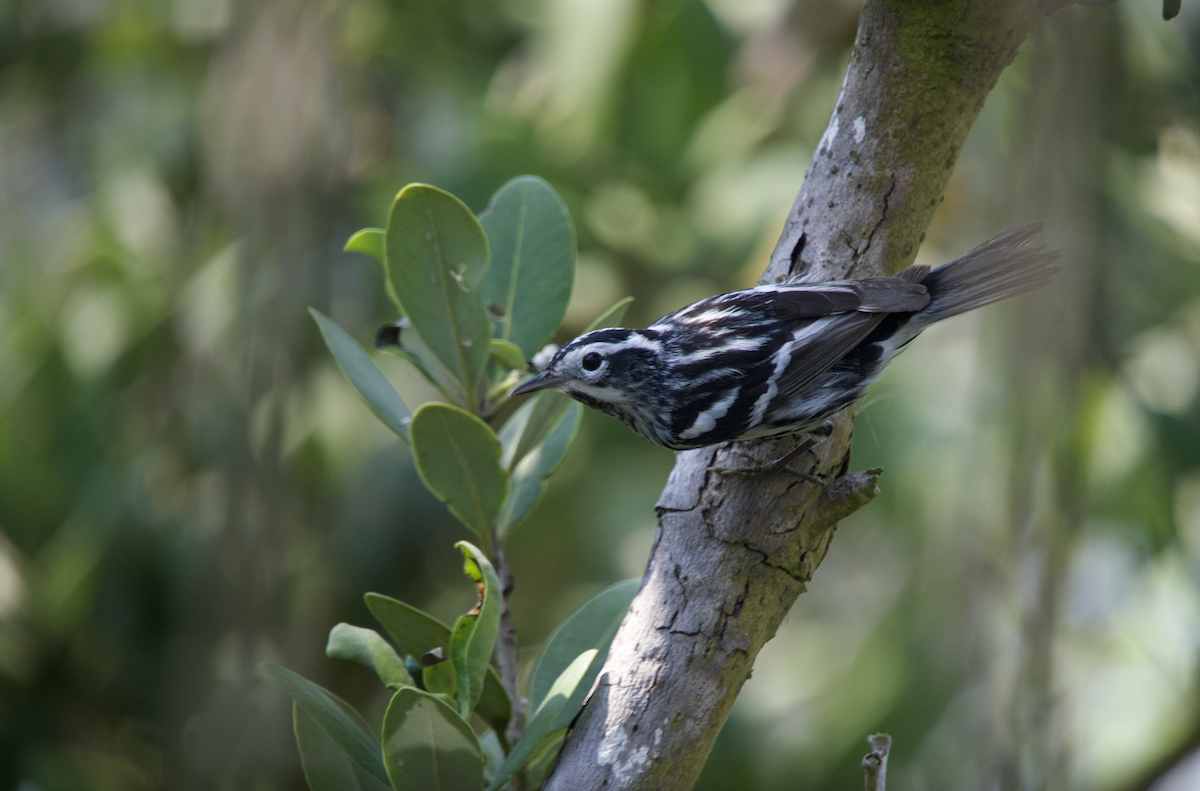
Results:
780 359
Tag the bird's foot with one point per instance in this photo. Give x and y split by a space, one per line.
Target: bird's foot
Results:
758 469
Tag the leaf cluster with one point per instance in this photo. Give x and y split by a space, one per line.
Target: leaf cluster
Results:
477 297
440 676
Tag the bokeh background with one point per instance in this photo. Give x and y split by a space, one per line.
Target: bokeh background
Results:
188 487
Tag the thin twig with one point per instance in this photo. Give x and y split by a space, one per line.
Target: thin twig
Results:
506 647
874 763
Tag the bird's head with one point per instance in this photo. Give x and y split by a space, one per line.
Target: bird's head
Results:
608 366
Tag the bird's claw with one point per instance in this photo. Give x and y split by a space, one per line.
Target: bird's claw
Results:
758 469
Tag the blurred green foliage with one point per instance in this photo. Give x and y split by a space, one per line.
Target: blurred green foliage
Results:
189 487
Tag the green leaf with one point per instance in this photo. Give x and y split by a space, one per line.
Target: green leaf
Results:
474 637
541 724
329 712
507 354
591 626
439 678
417 633
326 766
611 317
458 458
414 351
542 757
528 480
428 747
533 261
366 647
530 425
495 706
370 241
436 256
493 754
366 377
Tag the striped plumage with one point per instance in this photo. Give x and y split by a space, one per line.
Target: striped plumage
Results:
781 359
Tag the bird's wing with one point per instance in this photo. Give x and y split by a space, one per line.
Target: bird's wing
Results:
820 339
767 344
901 294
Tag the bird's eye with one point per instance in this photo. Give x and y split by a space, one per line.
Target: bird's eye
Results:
591 361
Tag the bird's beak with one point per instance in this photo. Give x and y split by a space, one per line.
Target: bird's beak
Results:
543 381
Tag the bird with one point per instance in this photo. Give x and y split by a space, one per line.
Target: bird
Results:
777 360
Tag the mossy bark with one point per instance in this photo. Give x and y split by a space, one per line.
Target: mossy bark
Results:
917 80
731 553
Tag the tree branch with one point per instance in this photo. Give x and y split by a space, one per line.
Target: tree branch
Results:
732 554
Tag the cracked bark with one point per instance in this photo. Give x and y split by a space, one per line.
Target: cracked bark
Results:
732 554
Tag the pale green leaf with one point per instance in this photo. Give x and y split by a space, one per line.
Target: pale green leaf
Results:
507 354
528 479
366 647
368 380
542 723
591 626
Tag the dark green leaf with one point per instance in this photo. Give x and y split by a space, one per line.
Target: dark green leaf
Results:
474 637
530 425
533 261
528 480
458 458
591 626
541 724
326 766
436 256
611 317
327 711
428 747
495 706
366 377
366 647
507 354
417 633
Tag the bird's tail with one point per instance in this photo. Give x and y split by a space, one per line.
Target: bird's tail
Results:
1003 267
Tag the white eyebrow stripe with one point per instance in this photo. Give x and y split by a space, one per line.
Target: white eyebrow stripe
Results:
706 421
640 341
634 341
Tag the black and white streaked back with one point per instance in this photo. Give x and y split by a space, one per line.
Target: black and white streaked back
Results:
781 359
